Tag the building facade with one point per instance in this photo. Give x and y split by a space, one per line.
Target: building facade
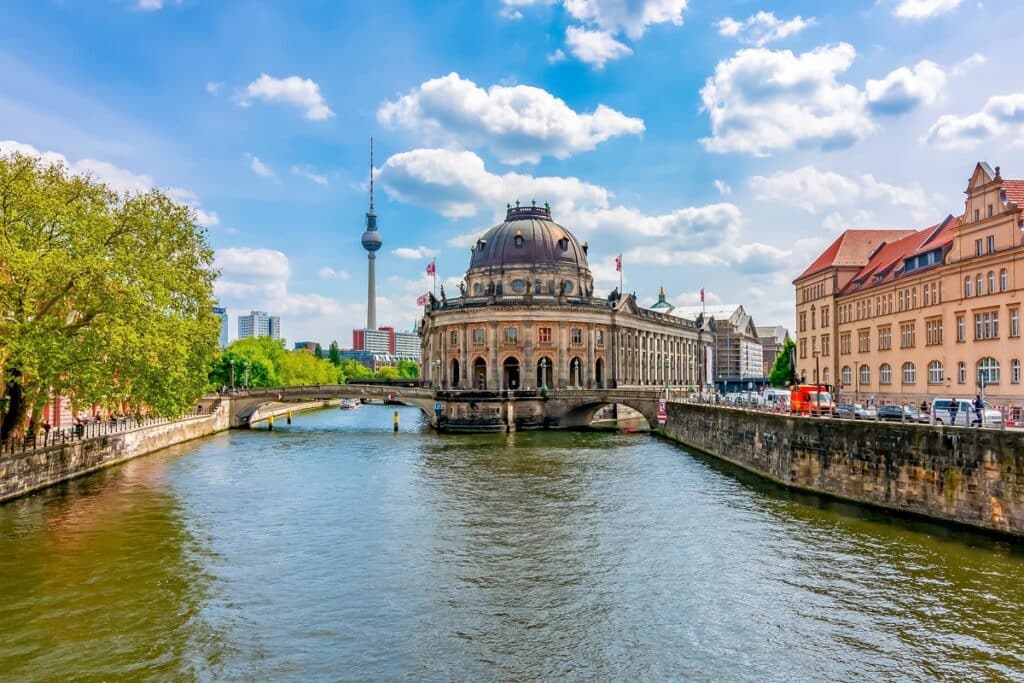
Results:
527 319
910 315
773 338
222 315
738 356
259 324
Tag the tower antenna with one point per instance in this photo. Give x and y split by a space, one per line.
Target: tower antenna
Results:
371 173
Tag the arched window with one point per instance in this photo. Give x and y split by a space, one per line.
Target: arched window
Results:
988 370
935 375
979 285
847 375
991 282
967 287
961 372
1004 280
865 374
825 376
885 374
909 373
1015 371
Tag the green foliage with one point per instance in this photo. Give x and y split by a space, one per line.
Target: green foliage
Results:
334 354
271 365
354 371
318 351
408 369
387 372
104 297
783 373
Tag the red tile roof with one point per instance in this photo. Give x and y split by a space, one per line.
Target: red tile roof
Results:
853 248
1014 190
886 263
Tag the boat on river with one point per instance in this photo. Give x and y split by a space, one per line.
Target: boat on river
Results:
349 403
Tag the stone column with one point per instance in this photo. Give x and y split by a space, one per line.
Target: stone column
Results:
464 355
561 378
528 373
588 372
493 371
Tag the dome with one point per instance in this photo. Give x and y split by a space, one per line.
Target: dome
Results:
527 238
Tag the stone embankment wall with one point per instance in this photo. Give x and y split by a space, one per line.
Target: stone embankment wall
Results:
25 472
967 476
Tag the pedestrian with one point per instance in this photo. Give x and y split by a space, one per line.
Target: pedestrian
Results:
924 407
953 403
979 408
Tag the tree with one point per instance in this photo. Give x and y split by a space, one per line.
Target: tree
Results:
353 370
271 365
318 351
387 372
105 298
783 373
408 369
333 354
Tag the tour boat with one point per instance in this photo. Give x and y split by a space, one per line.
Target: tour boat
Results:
349 403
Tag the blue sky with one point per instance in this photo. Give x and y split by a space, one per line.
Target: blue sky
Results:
717 144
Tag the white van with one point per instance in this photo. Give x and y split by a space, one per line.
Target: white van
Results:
776 398
966 415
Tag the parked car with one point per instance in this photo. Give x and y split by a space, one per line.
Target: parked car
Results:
966 415
862 413
845 411
897 413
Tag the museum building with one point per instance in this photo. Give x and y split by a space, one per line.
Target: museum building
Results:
527 319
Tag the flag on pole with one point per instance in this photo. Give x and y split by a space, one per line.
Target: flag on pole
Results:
702 295
432 267
422 301
618 263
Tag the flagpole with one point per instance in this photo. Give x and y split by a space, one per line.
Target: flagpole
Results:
434 262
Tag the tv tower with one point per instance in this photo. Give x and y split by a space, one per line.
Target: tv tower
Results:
371 243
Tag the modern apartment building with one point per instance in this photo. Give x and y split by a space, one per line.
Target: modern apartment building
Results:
909 315
259 324
222 314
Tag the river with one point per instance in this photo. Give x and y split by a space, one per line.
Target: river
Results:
333 549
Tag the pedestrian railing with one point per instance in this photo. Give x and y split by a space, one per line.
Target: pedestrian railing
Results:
91 429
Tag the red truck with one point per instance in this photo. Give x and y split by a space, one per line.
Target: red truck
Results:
811 399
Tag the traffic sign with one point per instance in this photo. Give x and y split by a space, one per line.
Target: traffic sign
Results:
662 411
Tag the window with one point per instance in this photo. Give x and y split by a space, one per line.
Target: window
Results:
988 370
576 335
803 348
478 336
991 210
519 240
812 317
907 336
1004 280
544 335
927 297
979 285
884 338
935 372
478 289
825 375
563 244
990 241
986 325
933 332
961 372
454 338
885 374
864 341
909 373
803 322
977 216
824 315
844 343
967 287
825 339
913 294
865 374
991 282
1015 371
1014 322
847 375
600 337
961 329
902 305
511 335
977 243
518 286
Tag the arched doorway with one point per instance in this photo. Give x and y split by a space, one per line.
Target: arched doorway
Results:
455 373
510 373
576 372
479 374
545 373
599 373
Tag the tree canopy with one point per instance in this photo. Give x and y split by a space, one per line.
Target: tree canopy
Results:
271 365
105 297
783 373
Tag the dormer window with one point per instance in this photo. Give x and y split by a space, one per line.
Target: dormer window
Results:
563 244
480 244
519 239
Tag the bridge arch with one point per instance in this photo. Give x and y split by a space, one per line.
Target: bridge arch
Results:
580 416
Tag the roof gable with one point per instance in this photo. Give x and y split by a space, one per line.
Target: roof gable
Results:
853 248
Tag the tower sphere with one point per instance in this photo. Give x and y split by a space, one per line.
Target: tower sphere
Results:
371 240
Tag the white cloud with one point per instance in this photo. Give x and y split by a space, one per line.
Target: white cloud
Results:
414 253
694 227
722 187
456 184
118 179
519 123
761 100
1001 113
762 28
149 5
510 13
977 59
906 88
919 10
303 93
214 87
258 279
309 174
556 57
811 189
258 167
692 298
328 273
594 47
631 17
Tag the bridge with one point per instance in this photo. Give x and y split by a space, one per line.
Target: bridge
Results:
460 410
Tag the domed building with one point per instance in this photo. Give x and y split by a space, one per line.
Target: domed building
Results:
527 321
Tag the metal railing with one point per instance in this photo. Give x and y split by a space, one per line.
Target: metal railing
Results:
89 429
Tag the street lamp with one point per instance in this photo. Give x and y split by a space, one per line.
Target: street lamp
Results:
666 377
856 380
231 364
543 375
245 364
817 378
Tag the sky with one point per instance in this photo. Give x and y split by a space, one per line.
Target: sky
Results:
715 144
